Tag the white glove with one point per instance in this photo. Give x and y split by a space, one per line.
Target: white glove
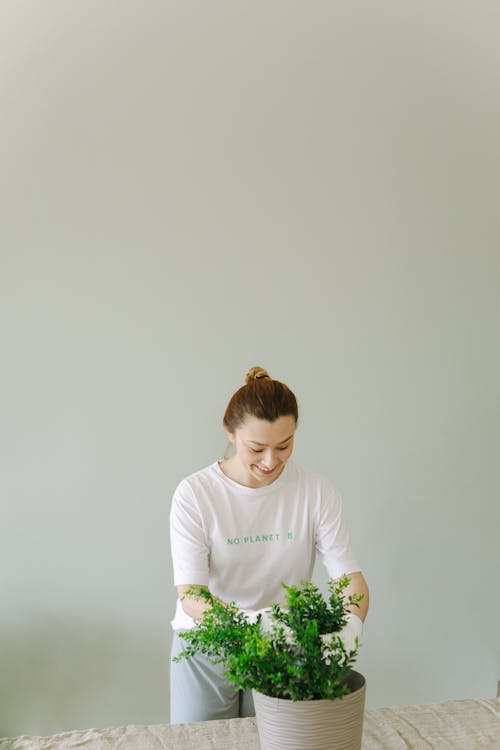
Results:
352 629
250 614
268 622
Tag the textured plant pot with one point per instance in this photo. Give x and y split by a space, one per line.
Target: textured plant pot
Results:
312 725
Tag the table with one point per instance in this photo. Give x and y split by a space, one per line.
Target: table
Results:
449 725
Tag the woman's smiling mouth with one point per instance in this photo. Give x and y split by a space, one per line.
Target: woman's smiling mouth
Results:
266 471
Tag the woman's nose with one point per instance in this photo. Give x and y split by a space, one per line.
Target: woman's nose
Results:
269 458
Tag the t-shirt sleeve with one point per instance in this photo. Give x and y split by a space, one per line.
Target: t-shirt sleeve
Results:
332 536
187 539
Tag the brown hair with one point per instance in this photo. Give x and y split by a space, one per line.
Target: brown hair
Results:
260 397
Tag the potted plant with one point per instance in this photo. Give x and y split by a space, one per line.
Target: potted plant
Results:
294 659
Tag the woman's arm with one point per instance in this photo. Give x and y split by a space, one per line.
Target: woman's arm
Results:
358 585
193 606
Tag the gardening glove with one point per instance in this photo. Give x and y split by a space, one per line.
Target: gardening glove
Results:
267 622
250 614
352 629
266 617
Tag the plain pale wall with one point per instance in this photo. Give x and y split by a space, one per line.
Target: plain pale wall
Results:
192 188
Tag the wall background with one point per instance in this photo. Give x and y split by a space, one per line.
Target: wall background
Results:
189 189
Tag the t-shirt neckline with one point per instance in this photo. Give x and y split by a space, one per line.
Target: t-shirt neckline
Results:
254 491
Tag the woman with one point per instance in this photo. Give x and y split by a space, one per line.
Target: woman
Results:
244 525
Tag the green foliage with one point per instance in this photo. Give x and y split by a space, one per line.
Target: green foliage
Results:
288 658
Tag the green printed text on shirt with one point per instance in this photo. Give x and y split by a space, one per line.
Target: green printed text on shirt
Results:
257 538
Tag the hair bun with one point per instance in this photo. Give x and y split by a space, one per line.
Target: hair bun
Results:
256 373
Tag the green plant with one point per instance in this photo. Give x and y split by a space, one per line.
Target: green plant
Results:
286 654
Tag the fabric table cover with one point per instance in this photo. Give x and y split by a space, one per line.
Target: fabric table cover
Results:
450 725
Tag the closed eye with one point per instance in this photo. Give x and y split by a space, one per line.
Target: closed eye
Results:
259 450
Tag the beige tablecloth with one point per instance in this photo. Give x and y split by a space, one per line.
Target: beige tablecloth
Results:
451 725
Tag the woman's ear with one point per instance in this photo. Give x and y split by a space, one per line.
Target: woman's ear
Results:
230 446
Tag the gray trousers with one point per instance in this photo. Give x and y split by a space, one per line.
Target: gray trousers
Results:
198 692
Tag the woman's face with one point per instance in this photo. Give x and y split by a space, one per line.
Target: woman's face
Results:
262 449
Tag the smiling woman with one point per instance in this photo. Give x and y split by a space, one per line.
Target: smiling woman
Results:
260 421
262 449
244 525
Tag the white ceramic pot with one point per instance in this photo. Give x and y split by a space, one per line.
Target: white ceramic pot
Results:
312 725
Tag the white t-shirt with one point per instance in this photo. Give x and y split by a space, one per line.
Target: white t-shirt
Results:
243 542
